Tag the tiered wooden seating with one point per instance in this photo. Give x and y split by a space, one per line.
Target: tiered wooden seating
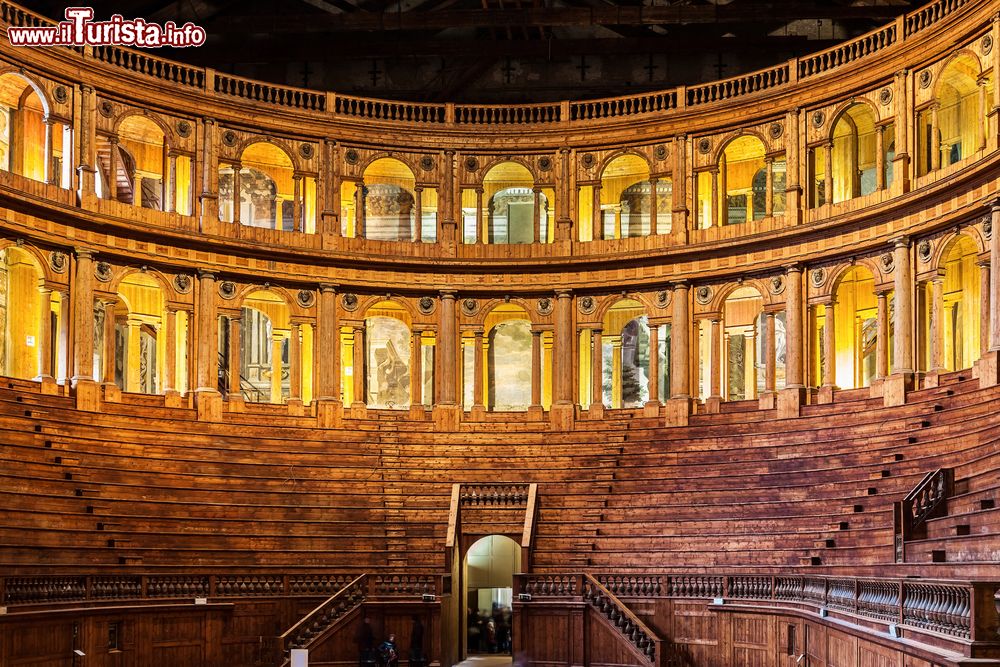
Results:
739 490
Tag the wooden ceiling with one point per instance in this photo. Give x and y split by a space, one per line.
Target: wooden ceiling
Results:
502 50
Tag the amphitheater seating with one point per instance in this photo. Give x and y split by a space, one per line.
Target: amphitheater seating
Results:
736 491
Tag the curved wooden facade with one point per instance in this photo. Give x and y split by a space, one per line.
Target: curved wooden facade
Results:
737 340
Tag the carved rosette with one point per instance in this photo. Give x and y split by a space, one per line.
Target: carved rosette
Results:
544 163
471 164
103 272
775 130
349 302
704 145
60 94
818 277
470 307
183 283
703 295
885 96
351 156
307 151
427 162
662 298
776 284
58 261
426 305
106 109
925 78
183 129
987 226
887 262
587 305
229 138
660 152
818 118
306 298
924 250
227 289
588 160
544 306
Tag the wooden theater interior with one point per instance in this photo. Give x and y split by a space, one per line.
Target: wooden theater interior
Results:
702 376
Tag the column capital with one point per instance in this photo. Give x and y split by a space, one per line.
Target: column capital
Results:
358 328
680 284
84 253
208 121
900 242
447 294
327 288
794 267
113 139
86 89
994 205
450 152
564 293
206 274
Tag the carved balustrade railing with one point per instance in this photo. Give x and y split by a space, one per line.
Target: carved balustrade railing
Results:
964 610
494 495
783 74
325 615
57 589
643 640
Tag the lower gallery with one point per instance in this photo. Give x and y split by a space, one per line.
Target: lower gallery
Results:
705 377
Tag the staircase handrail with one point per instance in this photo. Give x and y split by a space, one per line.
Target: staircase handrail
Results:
355 587
640 637
926 499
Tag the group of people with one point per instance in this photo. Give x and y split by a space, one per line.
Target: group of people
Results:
386 653
489 633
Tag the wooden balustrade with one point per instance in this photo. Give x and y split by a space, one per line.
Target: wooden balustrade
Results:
147 65
267 93
637 634
57 589
965 610
313 624
842 54
494 495
728 89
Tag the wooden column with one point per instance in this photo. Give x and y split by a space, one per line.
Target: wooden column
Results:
206 333
327 346
49 172
716 208
984 306
170 188
680 335
133 358
984 122
446 351
44 335
829 345
87 155
477 369
83 317
109 346
882 336
768 189
794 328
536 369
598 222
237 193
66 338
360 399
828 172
880 157
994 291
654 366
295 362
563 352
170 360
903 329
480 229
770 353
936 338
113 160
537 221
276 338
416 368
235 359
653 204
359 210
597 369
935 138
715 367
616 372
297 208
418 214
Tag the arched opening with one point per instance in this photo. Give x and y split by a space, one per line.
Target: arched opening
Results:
854 153
490 565
388 357
390 210
744 366
23 306
855 321
272 195
508 208
28 145
264 332
139 349
951 127
626 199
741 163
625 356
961 305
509 365
136 159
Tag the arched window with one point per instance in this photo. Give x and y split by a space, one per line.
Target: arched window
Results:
960 304
264 331
951 127
507 208
509 363
741 162
22 308
744 368
625 356
626 199
390 202
855 153
139 348
136 161
855 333
23 130
388 340
271 194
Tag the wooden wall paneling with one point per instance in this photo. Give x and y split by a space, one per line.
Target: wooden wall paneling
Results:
695 632
842 649
752 639
605 647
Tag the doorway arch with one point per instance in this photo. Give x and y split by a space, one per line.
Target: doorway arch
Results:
487 587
